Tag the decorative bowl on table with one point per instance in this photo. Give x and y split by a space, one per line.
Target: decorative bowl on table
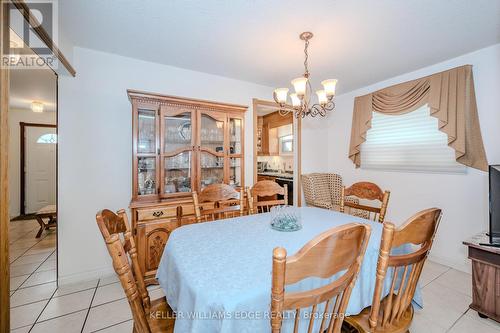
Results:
285 218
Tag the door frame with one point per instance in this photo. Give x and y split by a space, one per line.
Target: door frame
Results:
297 158
23 125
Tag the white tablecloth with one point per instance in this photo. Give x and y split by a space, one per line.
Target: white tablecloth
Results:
217 275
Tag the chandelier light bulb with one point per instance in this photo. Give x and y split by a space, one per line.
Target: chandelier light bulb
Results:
295 100
329 87
300 85
281 95
322 99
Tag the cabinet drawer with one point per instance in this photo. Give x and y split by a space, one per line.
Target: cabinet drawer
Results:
157 213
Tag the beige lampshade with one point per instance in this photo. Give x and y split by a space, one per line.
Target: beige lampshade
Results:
300 85
322 97
281 94
295 100
329 87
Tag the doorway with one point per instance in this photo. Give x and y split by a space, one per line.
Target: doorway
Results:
277 148
38 166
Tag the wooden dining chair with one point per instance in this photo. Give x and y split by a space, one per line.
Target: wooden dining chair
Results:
217 202
336 250
149 316
268 191
394 312
366 191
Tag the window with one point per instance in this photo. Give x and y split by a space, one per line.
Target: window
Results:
408 142
47 138
286 144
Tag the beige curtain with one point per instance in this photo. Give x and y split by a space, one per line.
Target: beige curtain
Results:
451 99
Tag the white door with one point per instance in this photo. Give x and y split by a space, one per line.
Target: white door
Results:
40 167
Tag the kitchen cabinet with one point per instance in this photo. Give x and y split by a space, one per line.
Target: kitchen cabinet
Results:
268 134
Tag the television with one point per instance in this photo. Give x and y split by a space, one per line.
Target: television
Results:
494 172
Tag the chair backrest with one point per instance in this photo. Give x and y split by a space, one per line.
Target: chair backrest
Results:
266 188
338 249
217 202
116 233
366 191
322 188
402 270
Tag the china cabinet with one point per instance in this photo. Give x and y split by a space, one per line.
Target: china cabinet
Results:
179 145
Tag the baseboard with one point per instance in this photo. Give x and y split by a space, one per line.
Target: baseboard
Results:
85 276
460 265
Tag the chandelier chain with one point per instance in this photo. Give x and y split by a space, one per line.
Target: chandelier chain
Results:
306 74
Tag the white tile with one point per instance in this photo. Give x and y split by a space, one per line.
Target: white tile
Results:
108 314
125 327
108 280
108 293
40 278
439 310
468 324
15 282
47 265
431 271
24 329
63 305
23 269
32 294
34 258
458 281
423 324
71 323
156 293
486 321
451 298
26 314
66 289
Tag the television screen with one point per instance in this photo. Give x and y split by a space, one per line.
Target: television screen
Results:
495 204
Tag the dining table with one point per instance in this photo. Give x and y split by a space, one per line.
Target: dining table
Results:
217 275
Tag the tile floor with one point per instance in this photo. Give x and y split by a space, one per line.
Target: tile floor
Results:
37 305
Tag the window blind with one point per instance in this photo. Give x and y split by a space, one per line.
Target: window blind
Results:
408 142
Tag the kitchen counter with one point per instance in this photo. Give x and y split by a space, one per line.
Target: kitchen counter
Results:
276 174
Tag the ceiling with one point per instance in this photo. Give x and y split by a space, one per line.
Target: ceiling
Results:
28 85
359 42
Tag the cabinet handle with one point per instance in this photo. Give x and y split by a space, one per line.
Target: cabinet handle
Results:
158 213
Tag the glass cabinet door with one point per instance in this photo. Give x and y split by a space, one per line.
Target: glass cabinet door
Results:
235 153
146 176
146 136
212 146
146 160
177 148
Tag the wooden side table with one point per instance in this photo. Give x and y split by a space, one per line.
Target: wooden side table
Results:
49 212
485 277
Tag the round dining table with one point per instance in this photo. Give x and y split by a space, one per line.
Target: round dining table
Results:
217 275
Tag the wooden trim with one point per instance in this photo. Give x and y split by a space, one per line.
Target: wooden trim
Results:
4 176
188 102
297 150
22 173
42 34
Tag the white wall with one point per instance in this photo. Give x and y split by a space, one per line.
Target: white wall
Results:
17 116
95 143
463 198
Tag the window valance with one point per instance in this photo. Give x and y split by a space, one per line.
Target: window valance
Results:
451 98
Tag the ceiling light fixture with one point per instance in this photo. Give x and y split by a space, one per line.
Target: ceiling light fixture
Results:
301 99
37 107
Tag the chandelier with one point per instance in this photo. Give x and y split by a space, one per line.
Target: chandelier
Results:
301 99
